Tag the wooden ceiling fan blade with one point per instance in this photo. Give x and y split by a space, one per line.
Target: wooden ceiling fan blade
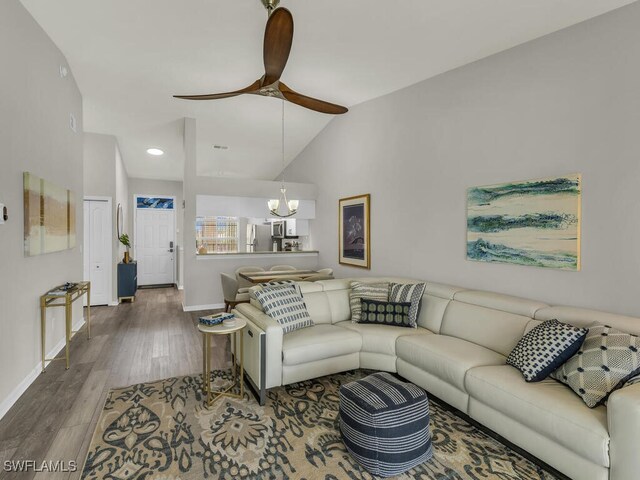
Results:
311 103
278 38
216 96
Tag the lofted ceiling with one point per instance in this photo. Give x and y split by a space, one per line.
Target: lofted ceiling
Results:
130 57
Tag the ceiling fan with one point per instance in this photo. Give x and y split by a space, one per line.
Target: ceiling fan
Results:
278 37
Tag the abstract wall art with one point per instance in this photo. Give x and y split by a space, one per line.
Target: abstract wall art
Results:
354 233
535 222
49 217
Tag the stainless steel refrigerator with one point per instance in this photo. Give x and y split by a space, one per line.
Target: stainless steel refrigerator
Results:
259 238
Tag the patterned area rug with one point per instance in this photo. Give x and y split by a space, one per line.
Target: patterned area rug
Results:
162 431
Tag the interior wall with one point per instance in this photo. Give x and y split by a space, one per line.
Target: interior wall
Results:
564 103
123 199
106 176
35 136
202 286
143 186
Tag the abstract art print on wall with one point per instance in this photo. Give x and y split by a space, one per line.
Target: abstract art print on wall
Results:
49 217
354 237
535 222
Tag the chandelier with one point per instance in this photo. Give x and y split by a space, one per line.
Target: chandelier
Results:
275 203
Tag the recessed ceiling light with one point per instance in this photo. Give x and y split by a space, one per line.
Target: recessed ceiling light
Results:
155 151
221 147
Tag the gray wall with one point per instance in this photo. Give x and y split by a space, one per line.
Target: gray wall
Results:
35 103
122 198
143 186
568 102
106 176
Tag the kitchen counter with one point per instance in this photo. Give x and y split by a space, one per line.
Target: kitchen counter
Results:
301 253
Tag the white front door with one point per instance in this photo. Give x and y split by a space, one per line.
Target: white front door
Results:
97 249
154 247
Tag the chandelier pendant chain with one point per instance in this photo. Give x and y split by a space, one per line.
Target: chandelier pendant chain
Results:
291 205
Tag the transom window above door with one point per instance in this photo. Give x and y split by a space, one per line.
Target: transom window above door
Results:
155 202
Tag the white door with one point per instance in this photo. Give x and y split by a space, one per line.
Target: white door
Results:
97 249
154 247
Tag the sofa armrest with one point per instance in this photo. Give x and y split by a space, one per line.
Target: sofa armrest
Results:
623 416
273 345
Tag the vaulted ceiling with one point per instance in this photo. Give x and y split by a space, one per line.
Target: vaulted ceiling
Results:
130 57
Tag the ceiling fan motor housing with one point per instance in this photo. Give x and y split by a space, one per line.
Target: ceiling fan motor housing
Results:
270 5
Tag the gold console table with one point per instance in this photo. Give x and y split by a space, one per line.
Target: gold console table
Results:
59 297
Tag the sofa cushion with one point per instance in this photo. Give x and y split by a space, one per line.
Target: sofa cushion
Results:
381 338
386 313
408 292
546 407
318 343
373 291
494 329
545 348
605 361
448 358
285 305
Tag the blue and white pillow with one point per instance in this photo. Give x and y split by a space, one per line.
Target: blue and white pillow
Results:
545 348
409 292
273 284
285 305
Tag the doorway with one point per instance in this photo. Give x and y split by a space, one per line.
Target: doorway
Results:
98 253
154 243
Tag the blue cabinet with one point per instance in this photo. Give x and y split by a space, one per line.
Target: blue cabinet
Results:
127 281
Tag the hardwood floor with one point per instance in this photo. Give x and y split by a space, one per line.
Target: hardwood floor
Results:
143 341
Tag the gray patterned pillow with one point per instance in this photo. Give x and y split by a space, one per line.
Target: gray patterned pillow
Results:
606 360
410 292
371 291
285 305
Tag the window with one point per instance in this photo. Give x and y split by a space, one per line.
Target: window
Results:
217 235
154 202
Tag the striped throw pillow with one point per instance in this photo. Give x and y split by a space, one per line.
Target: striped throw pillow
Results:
273 284
285 305
371 291
409 292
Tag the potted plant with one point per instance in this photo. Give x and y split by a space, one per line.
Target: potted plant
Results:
124 240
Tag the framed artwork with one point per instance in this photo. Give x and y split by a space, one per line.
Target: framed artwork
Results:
49 216
534 222
354 231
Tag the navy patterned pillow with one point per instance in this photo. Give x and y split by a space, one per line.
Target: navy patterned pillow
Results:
386 313
545 348
409 292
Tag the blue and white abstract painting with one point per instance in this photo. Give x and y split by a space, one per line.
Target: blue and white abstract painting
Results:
535 222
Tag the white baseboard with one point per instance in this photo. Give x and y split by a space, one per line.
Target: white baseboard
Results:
180 287
17 392
113 304
196 308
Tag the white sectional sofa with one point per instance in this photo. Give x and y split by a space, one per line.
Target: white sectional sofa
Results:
458 354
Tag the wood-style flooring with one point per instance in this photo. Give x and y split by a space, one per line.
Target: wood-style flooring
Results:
143 341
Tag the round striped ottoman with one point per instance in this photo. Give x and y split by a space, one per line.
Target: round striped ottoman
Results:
385 424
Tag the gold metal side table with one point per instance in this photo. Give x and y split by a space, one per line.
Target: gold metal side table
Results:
58 297
236 331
